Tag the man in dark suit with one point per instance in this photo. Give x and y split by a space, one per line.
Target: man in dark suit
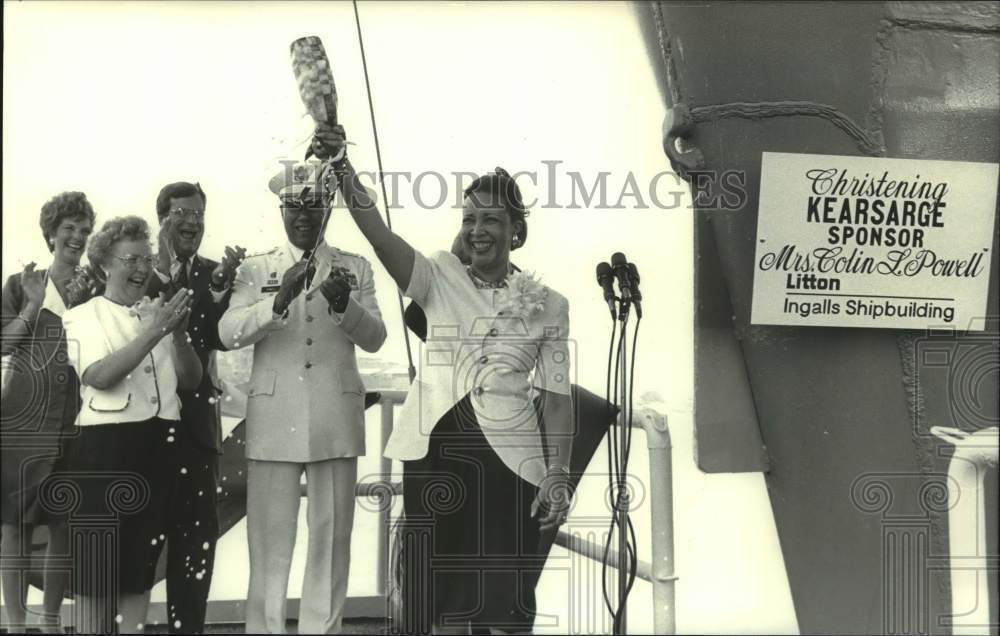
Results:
194 528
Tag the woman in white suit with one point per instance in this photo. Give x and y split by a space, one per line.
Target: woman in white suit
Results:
479 484
131 357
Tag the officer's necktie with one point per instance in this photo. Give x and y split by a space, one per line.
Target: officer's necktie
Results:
305 257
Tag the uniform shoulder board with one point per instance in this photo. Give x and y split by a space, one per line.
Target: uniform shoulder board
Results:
353 255
265 253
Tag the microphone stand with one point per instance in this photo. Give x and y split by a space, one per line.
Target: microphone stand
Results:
623 497
619 446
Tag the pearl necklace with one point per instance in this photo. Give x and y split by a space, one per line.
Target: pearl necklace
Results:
481 283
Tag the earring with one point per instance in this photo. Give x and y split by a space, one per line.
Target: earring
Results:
52 241
515 242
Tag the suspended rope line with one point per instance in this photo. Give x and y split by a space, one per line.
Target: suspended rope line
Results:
411 370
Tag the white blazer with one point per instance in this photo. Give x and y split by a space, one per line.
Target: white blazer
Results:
473 349
95 330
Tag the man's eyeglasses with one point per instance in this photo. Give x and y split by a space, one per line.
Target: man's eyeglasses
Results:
132 261
188 213
300 206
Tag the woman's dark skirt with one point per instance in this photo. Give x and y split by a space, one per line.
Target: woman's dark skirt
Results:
468 546
23 470
116 494
41 397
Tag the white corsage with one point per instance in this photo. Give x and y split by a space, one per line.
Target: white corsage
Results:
524 295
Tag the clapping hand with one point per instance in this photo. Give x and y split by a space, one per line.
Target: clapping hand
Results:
293 281
165 245
222 275
33 284
337 288
168 316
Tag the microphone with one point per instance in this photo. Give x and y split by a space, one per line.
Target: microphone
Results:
619 264
633 273
606 281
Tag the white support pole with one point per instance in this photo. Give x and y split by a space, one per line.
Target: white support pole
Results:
387 403
661 494
970 598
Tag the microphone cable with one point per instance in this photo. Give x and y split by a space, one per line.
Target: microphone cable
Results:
621 388
610 436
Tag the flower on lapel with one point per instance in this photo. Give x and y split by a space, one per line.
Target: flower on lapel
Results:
84 285
524 295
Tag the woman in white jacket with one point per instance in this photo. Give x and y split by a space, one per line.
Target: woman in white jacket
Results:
479 484
131 357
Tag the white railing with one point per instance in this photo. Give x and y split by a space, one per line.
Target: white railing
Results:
967 549
660 573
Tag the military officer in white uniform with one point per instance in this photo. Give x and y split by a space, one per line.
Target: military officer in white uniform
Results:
304 306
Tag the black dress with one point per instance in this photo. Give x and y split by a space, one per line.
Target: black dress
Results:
41 398
469 549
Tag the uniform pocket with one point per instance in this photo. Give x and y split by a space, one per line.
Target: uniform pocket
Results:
262 383
111 401
350 381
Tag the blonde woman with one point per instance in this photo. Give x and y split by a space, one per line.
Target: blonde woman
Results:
132 356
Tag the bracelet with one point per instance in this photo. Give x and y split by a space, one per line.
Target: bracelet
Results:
552 468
